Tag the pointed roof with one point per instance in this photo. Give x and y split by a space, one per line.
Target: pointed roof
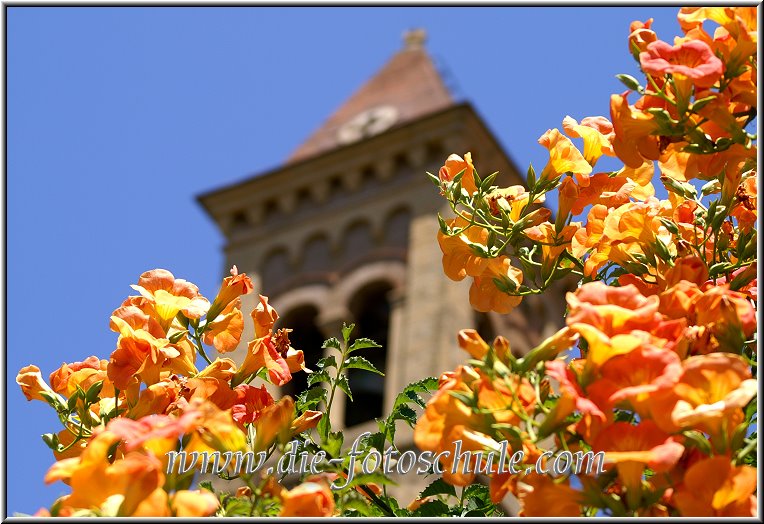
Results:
409 82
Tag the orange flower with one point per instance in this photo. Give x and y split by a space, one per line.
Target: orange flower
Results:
564 157
224 333
596 132
640 35
455 165
274 422
693 60
66 379
140 355
270 350
471 342
168 296
632 448
544 496
31 382
193 503
156 398
709 396
610 309
250 402
94 480
485 296
232 287
553 242
571 399
309 499
634 141
513 200
214 429
459 260
715 488
635 377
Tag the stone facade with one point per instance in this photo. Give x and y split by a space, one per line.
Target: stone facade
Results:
347 233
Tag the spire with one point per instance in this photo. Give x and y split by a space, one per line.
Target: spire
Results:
406 88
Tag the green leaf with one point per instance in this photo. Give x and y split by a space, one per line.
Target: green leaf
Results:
344 385
406 413
439 487
310 398
317 377
433 508
363 343
333 444
323 428
326 362
346 331
331 343
369 478
361 363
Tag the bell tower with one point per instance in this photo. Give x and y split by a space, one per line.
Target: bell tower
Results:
345 230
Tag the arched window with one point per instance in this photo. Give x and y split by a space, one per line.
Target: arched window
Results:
316 255
276 268
306 337
357 240
371 309
484 327
397 228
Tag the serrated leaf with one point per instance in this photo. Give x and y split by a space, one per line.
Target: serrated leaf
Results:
310 398
438 487
333 444
404 412
433 508
347 329
363 343
323 428
326 362
318 377
206 484
331 343
361 363
344 385
374 477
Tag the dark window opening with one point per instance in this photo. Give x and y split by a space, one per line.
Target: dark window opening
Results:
306 337
484 327
371 310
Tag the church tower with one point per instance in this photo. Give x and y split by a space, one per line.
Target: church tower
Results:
345 231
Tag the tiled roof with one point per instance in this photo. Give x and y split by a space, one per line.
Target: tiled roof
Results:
409 82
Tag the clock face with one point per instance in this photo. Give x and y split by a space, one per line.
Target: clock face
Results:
368 123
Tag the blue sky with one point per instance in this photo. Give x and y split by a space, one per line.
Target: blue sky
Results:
119 117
